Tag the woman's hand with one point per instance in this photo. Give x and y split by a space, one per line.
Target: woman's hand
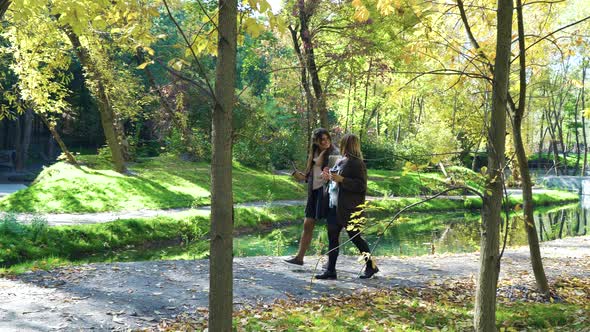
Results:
336 177
299 176
326 174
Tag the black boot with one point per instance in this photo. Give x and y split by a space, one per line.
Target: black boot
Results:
369 270
331 275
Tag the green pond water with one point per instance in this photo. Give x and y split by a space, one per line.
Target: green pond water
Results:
411 235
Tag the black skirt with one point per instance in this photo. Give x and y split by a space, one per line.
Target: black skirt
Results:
315 204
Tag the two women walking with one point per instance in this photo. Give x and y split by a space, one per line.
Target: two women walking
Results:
337 194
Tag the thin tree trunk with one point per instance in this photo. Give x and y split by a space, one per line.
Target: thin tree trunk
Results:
18 145
585 166
361 132
553 145
485 299
56 136
542 134
527 186
24 140
107 113
578 152
348 102
221 236
304 16
309 98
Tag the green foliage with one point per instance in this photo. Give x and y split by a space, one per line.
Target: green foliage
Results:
380 153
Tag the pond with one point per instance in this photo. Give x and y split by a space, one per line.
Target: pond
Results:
414 234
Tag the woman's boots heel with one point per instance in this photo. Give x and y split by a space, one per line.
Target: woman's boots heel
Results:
369 270
327 275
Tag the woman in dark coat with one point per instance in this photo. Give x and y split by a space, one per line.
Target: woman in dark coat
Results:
347 193
317 197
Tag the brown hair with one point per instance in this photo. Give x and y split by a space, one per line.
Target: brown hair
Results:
316 138
350 146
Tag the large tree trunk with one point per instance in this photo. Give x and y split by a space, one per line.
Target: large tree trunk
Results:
23 139
107 113
527 186
485 298
70 158
304 15
221 250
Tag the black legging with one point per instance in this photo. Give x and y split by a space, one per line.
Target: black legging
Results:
333 235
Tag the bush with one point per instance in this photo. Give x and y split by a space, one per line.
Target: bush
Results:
379 153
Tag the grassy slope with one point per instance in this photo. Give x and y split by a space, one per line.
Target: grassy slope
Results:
164 182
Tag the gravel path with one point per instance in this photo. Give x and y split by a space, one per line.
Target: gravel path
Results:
120 296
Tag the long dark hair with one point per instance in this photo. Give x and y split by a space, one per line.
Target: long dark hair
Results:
316 138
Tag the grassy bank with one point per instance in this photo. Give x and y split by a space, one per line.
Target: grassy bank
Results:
36 245
439 307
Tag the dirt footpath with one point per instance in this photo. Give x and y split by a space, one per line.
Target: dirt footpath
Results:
122 296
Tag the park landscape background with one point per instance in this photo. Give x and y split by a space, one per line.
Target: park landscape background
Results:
110 107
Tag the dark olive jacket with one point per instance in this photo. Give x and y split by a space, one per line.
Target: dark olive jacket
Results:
352 190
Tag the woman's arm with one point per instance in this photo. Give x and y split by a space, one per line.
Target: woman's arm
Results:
355 179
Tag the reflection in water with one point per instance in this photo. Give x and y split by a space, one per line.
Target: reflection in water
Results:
421 234
414 234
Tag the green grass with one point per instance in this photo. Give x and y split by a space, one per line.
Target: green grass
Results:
405 184
163 182
471 203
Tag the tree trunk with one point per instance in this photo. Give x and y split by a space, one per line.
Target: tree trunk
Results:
527 186
18 143
107 113
311 103
23 139
4 4
553 145
363 125
584 138
542 134
577 136
485 299
348 102
304 16
70 158
221 248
